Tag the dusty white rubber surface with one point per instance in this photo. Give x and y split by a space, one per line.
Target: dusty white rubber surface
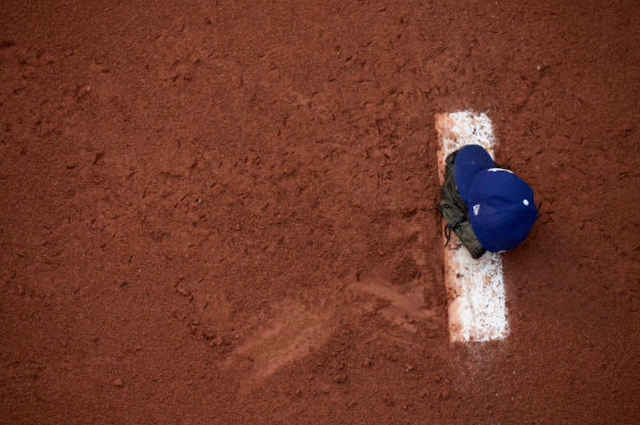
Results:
475 288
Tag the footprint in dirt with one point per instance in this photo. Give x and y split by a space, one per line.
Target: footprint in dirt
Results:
411 299
176 53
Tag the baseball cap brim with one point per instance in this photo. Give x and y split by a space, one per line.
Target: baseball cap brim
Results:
469 161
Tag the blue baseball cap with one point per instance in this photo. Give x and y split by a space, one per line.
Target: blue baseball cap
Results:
501 205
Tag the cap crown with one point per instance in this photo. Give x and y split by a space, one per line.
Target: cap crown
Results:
501 205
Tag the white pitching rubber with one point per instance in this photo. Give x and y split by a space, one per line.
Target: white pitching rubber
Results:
475 288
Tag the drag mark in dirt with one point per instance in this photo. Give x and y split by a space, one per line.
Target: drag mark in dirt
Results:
475 288
406 305
290 335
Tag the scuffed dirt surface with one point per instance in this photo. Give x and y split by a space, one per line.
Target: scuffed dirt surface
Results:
219 212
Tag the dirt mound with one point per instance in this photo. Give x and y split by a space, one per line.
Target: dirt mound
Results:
224 212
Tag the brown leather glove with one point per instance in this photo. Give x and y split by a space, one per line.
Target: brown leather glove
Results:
455 212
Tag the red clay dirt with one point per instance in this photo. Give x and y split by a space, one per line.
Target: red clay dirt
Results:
222 212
